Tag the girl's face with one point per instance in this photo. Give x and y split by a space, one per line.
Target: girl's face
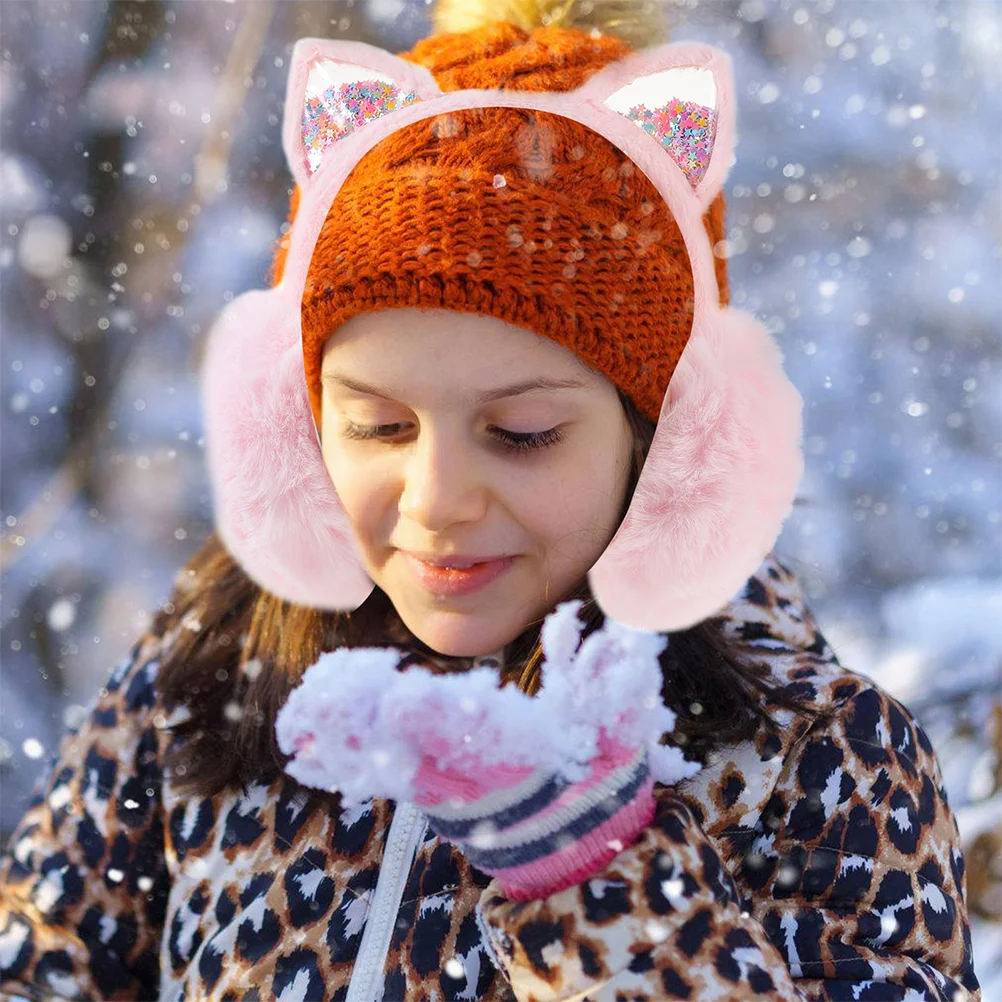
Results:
441 472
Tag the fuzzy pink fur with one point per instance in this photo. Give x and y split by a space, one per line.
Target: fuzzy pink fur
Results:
725 463
716 486
276 508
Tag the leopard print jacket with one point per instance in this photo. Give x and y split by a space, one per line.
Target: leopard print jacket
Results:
819 862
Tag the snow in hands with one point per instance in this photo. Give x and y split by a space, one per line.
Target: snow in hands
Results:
358 725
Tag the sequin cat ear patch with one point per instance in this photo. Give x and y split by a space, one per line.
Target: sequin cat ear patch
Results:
679 94
341 97
677 108
335 89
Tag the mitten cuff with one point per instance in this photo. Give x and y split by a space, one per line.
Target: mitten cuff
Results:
583 857
555 834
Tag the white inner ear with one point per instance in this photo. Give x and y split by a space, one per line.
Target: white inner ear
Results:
687 83
325 115
328 72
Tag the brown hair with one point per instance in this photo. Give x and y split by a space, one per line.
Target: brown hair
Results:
240 650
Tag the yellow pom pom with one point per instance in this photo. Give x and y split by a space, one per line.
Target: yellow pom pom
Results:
468 15
638 22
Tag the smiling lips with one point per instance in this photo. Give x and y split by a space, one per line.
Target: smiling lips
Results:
455 560
450 581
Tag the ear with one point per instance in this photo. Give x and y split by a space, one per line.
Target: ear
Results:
682 95
337 87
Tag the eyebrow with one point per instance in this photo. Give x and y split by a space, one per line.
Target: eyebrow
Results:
525 386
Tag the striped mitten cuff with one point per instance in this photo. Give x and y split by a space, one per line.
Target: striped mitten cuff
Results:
545 833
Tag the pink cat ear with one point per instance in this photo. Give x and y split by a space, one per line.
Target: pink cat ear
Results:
340 98
677 108
336 88
681 95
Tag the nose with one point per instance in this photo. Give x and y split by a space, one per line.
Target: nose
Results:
442 482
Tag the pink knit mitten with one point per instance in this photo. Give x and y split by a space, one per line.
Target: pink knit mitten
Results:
534 831
539 791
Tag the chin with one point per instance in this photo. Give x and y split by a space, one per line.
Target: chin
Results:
459 635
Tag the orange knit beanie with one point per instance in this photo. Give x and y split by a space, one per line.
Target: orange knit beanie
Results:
523 215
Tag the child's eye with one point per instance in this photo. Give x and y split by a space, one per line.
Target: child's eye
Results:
511 440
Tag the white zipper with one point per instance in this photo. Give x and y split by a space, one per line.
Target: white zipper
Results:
407 830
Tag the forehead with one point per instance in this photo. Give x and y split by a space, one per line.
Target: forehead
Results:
471 342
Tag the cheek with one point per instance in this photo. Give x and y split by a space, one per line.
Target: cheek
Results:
575 507
350 482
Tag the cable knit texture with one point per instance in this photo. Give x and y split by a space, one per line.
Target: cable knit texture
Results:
575 244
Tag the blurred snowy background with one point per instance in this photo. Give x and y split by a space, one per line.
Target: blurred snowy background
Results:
142 185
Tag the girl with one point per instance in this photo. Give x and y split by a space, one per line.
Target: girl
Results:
498 340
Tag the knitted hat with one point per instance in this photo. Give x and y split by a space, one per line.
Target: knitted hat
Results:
622 172
527 216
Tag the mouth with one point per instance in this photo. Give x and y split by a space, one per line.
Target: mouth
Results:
451 582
